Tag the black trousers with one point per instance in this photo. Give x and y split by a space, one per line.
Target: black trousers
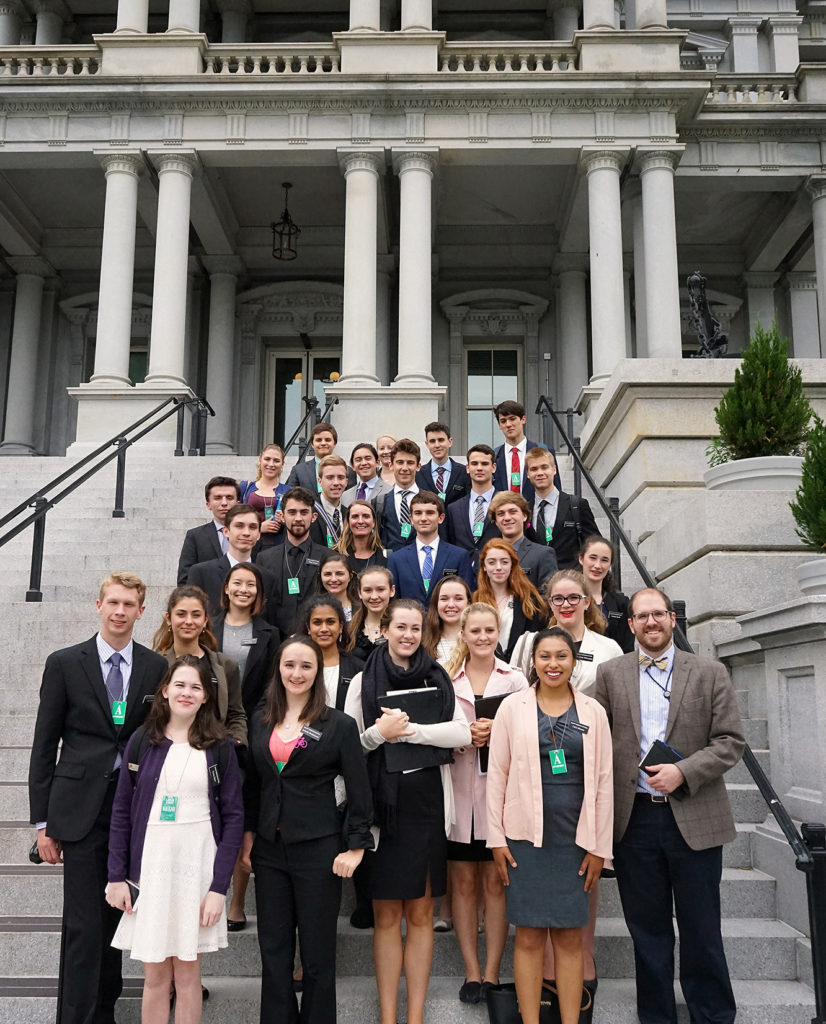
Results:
654 866
295 887
90 969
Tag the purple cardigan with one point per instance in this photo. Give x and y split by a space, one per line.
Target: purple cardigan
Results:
132 806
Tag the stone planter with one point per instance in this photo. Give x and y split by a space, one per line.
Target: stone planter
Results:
764 473
811 576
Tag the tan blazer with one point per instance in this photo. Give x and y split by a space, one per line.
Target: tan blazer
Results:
703 725
228 680
514 799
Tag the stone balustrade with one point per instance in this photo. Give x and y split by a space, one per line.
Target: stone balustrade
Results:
285 59
49 62
492 58
728 89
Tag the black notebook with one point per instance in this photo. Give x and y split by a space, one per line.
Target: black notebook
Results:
424 707
661 753
486 707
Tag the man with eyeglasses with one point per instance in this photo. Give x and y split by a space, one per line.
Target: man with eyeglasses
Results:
671 821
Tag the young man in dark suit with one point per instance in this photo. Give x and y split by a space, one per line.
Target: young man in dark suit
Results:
92 698
558 519
323 439
417 567
294 563
393 508
442 475
330 511
203 543
468 524
511 474
512 514
670 822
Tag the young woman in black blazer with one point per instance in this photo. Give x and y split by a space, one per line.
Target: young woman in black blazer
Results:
293 833
322 619
503 584
596 558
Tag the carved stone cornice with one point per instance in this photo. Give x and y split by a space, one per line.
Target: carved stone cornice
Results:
123 162
602 159
416 159
360 159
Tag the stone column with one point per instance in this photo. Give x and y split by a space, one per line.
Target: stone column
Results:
650 14
358 342
168 338
386 267
803 304
117 268
234 17
49 30
417 15
783 39
9 24
455 413
760 299
415 171
572 350
563 18
817 190
605 239
133 16
598 14
630 347
640 319
184 16
662 288
365 15
18 434
223 277
745 51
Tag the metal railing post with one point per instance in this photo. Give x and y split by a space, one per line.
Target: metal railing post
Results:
179 431
577 471
814 836
569 421
202 420
34 593
616 570
682 618
120 479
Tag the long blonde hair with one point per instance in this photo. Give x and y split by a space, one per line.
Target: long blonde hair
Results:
594 619
460 652
266 448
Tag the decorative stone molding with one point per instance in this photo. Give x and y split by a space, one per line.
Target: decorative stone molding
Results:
58 129
816 187
360 127
297 130
599 159
415 160
34 266
541 128
173 129
236 128
185 161
477 126
121 163
414 126
119 125
361 160
299 307
493 312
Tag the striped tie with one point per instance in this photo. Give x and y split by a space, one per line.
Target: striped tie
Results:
427 565
440 479
405 508
479 511
660 663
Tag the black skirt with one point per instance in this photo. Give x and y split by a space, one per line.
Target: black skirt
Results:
400 868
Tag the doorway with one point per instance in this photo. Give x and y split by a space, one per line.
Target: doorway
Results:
293 374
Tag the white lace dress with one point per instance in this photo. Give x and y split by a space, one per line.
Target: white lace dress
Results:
176 869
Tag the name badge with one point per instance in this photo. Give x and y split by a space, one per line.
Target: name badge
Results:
293 586
584 656
516 479
549 534
477 529
249 643
406 528
330 541
214 775
269 512
578 727
442 495
313 561
450 572
426 585
118 711
169 808
558 766
615 615
569 524
310 733
148 698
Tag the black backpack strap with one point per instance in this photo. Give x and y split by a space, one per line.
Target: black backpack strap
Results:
218 770
137 748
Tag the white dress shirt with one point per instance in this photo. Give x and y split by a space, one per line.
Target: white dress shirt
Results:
654 705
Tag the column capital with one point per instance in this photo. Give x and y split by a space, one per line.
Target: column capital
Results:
783 25
11 7
359 158
570 263
601 159
740 26
76 315
230 265
420 158
659 158
124 161
184 161
760 278
31 266
52 7
816 187
801 282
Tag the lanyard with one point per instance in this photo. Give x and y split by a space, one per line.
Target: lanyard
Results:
666 689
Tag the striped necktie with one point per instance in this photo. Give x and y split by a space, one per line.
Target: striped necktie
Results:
479 511
427 565
405 508
660 663
440 479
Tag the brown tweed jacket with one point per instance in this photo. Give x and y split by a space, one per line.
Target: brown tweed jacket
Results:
703 725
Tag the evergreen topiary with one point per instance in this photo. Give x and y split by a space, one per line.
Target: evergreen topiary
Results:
809 506
765 411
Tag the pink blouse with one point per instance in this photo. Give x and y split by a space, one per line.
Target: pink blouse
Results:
281 749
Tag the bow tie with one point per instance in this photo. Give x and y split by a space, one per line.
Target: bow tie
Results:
660 663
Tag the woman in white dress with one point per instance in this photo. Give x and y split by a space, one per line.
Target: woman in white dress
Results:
177 824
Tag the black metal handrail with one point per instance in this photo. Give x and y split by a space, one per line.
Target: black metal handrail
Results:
175 405
809 848
311 415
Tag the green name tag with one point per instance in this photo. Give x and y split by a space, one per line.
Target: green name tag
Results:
118 711
516 479
269 512
558 766
426 584
406 528
549 534
477 529
330 541
292 585
442 495
280 766
169 808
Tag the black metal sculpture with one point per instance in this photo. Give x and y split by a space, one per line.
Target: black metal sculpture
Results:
713 340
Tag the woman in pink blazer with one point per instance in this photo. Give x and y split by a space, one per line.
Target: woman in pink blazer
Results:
476 673
550 811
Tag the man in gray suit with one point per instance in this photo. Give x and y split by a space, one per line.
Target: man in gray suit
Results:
369 485
671 821
511 513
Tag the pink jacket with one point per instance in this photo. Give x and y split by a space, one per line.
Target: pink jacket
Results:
468 785
514 799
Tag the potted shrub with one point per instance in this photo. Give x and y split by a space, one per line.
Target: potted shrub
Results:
809 510
763 420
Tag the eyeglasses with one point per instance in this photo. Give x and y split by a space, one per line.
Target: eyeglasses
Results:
573 599
659 616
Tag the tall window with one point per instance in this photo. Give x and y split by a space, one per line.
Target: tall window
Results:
493 376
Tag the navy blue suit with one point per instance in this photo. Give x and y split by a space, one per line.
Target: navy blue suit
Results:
459 531
456 484
388 525
450 561
502 476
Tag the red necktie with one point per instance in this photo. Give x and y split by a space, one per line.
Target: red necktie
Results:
515 469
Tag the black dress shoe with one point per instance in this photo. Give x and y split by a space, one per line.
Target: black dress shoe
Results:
486 987
470 992
204 993
236 926
362 916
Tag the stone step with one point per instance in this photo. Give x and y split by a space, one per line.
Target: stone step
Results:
739 774
747 803
756 732
14 764
238 999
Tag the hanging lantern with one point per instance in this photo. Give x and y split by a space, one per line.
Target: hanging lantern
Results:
285 232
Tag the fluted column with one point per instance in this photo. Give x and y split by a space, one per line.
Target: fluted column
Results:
358 343
817 190
223 278
133 16
415 171
18 433
572 352
662 289
234 17
9 23
605 237
167 342
49 30
184 16
117 268
365 15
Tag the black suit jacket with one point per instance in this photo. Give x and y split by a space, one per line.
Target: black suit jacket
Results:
459 531
567 538
285 605
522 624
210 576
349 666
322 526
457 483
615 608
74 711
201 544
502 476
259 660
389 527
303 474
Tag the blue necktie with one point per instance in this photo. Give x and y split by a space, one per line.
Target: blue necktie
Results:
427 566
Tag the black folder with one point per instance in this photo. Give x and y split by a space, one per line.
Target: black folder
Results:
661 753
423 706
486 707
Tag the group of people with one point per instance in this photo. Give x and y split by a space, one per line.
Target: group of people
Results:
420 677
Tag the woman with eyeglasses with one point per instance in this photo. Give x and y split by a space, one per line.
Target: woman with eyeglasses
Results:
503 584
596 558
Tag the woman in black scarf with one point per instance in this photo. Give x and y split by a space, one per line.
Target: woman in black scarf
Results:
414 809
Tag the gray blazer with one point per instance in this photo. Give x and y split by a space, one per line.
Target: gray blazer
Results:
380 488
703 725
538 562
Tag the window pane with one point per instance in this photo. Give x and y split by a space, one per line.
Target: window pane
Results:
288 389
323 366
479 389
505 376
138 365
481 428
